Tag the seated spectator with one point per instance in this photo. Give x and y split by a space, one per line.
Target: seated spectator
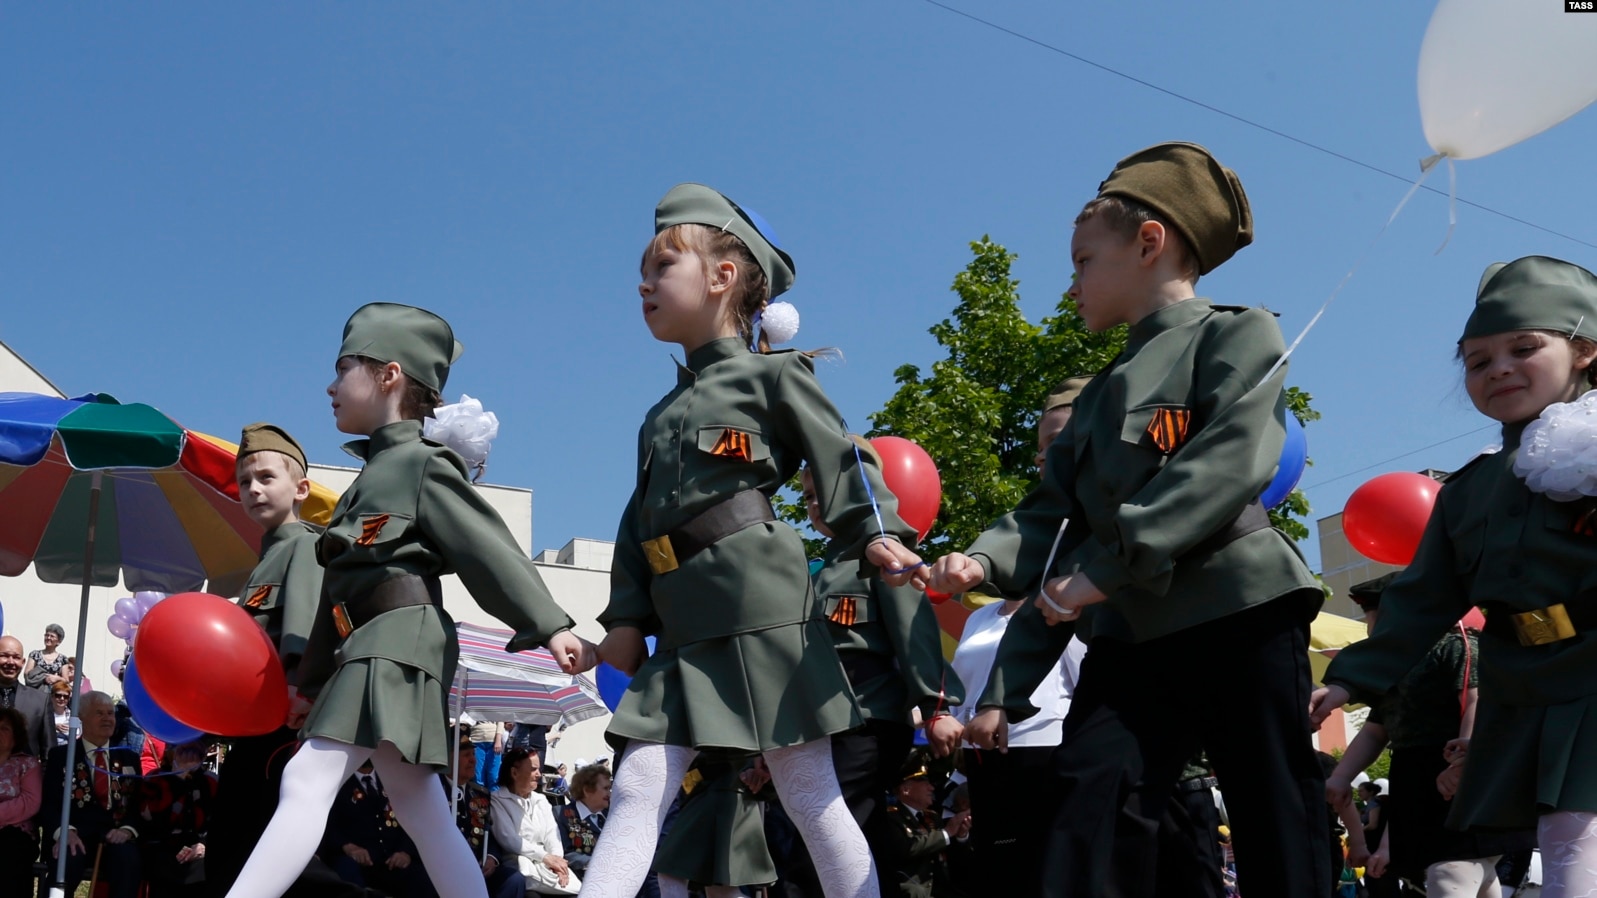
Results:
61 711
103 832
174 811
581 821
365 844
525 826
21 790
44 665
474 818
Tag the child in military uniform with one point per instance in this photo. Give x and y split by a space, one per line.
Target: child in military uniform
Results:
743 661
381 653
1149 510
282 592
1512 533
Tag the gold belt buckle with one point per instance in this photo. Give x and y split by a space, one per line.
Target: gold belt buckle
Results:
1543 626
342 622
662 558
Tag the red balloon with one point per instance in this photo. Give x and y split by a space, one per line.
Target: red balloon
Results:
207 663
1385 517
912 476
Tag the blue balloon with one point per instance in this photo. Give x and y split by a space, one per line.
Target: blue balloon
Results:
613 683
1294 457
147 714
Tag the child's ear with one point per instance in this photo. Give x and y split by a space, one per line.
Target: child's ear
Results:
1152 240
302 490
722 275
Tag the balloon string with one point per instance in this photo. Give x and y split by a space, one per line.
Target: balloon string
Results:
1048 565
876 510
1452 203
1426 167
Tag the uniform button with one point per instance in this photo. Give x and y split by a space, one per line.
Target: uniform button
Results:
673 495
673 436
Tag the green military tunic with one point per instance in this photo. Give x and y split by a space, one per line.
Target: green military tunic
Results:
285 588
411 511
888 639
743 660
1166 448
1492 542
718 834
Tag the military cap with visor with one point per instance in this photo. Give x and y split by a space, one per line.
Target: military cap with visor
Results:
1367 595
1201 198
1534 293
422 343
698 204
263 437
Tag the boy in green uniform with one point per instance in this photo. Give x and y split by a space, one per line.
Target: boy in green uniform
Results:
282 593
1149 509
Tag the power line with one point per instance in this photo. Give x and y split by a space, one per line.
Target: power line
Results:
1247 121
1384 462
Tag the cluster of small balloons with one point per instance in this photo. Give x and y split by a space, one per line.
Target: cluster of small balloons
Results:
124 620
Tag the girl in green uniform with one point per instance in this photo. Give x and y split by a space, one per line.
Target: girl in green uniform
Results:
382 650
1513 532
743 661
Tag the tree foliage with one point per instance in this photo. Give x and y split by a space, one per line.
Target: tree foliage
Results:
976 411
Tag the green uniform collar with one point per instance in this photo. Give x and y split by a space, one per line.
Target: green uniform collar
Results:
384 437
1165 319
707 355
283 533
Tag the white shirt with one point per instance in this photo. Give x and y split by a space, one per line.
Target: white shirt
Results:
973 661
525 826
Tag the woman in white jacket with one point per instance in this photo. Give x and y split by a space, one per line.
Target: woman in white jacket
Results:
524 826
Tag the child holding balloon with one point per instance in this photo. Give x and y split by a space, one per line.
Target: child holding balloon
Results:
743 662
1149 512
1513 532
381 653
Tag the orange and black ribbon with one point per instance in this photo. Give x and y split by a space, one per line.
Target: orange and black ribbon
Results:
733 444
258 597
846 613
1585 525
1169 428
370 529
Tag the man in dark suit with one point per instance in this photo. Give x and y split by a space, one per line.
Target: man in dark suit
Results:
105 794
365 843
33 704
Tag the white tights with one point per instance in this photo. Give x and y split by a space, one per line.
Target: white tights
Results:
647 778
310 785
1463 879
1568 841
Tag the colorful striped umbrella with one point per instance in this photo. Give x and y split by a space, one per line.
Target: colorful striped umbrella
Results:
169 518
524 687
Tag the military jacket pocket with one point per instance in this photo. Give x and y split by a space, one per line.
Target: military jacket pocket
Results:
1161 427
261 596
733 443
849 610
372 533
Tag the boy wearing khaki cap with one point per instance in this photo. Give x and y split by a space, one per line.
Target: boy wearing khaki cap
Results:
1149 514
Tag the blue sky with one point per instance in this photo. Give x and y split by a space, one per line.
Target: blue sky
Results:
193 198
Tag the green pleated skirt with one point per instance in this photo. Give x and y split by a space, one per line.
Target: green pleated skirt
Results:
1528 760
718 835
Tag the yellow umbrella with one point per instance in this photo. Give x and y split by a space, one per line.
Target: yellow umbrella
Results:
1329 633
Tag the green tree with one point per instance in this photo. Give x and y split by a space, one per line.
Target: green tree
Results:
975 413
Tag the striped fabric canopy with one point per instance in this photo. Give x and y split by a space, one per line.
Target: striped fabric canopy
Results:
169 520
525 687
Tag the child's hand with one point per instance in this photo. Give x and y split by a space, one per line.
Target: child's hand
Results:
1325 700
1063 598
943 735
955 573
1456 751
1358 853
1338 792
1447 781
1378 861
989 729
899 565
623 649
298 708
573 653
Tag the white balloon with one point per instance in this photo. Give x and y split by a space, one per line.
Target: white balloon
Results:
1495 72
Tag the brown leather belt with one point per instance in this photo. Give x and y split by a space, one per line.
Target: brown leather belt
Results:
1252 519
745 509
404 591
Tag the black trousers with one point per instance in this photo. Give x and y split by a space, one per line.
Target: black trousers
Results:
1237 687
120 865
247 788
1011 807
18 851
868 762
1190 858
